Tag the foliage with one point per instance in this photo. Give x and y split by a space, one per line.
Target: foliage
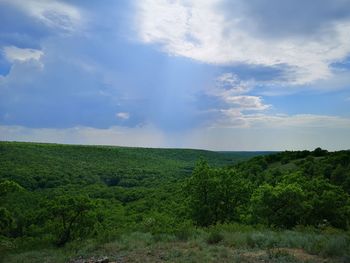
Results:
283 205
59 195
7 187
280 190
214 237
216 195
70 216
6 221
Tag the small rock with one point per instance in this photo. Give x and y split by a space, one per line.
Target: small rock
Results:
103 260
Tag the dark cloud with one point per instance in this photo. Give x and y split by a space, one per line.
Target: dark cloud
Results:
19 29
281 18
258 73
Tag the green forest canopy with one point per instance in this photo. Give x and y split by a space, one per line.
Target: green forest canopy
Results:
58 193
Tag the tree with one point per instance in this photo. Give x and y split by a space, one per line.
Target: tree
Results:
339 175
283 205
199 188
318 152
6 221
328 202
215 195
233 194
10 220
69 214
8 186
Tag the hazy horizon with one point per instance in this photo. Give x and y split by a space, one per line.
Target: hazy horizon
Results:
165 147
216 74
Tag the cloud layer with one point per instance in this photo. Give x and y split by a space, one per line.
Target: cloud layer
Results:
201 30
217 74
52 13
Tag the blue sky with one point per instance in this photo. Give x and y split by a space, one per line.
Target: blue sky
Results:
212 74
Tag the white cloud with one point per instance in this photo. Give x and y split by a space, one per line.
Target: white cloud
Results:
230 89
234 118
199 30
13 54
233 114
123 115
229 83
52 13
247 102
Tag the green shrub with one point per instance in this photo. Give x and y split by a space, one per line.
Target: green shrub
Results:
6 244
184 232
336 246
163 237
261 240
214 238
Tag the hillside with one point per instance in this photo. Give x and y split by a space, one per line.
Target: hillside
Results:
38 165
60 203
334 167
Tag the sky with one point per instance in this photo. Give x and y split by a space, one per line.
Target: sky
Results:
211 74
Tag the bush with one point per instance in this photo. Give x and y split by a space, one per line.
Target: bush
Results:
184 234
6 244
214 238
336 246
262 240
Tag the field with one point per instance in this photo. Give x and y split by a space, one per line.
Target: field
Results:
224 243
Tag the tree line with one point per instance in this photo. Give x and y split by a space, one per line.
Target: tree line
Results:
281 190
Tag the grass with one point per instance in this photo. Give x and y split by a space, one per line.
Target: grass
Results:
223 243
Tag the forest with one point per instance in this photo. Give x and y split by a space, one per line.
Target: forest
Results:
60 202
